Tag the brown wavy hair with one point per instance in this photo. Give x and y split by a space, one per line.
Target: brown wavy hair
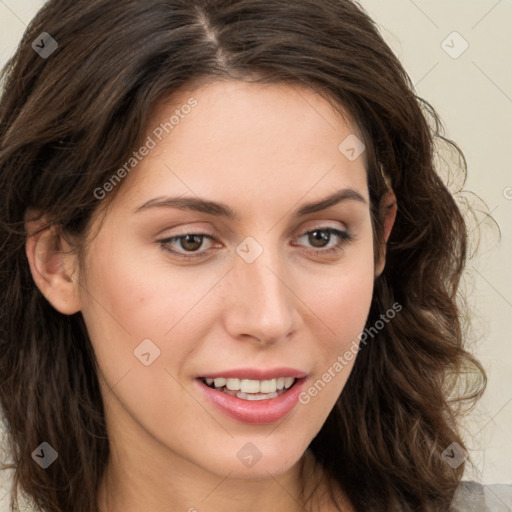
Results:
69 121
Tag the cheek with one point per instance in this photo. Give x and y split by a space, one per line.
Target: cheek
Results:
131 306
128 290
343 302
343 294
125 302
136 299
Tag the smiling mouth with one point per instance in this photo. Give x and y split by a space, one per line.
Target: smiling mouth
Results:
248 389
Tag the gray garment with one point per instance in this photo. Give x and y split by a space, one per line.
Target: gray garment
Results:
475 497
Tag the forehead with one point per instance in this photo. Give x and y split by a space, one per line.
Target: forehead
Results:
243 141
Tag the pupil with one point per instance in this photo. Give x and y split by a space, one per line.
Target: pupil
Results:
196 242
319 235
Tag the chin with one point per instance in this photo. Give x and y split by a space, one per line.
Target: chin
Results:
259 457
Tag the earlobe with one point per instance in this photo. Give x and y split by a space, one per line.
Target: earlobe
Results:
52 268
388 209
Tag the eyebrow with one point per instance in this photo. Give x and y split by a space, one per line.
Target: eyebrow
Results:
222 210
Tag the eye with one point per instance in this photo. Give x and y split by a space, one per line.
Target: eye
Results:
320 238
189 242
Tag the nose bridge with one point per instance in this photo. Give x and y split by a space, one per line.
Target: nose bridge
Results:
262 304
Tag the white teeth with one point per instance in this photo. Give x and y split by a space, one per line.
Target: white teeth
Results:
268 386
252 386
252 396
288 381
233 384
257 396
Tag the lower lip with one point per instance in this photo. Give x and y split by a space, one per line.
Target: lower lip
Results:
258 412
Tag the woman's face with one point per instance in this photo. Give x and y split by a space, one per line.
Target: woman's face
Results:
265 296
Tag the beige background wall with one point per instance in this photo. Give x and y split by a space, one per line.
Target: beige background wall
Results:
473 94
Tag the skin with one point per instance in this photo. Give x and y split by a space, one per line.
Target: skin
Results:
264 150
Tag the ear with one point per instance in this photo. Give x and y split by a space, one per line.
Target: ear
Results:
387 210
53 268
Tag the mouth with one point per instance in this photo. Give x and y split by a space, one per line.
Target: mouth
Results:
255 396
249 389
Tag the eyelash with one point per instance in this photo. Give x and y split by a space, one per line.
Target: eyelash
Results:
344 238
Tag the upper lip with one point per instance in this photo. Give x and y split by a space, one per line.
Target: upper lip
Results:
256 373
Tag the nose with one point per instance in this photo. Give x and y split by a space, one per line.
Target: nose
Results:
262 304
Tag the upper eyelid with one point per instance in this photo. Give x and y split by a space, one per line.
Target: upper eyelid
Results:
318 225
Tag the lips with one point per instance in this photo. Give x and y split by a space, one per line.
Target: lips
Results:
258 407
253 409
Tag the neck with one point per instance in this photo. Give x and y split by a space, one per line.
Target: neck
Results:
138 486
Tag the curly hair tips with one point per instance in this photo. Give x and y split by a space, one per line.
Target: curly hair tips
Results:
67 124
